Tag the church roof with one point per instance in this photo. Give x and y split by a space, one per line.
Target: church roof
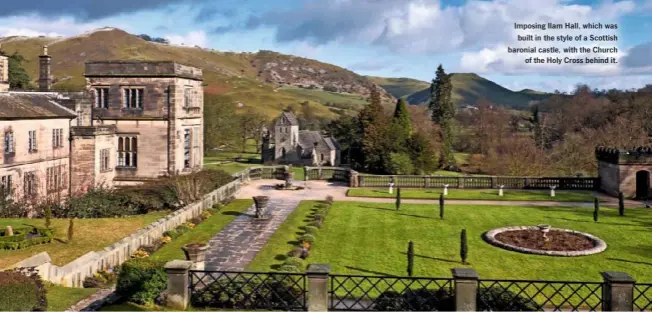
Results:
307 140
32 105
287 118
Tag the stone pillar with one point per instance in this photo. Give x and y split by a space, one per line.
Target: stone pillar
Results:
618 291
466 289
305 173
178 284
318 286
493 182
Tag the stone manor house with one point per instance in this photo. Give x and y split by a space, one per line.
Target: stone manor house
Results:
299 147
136 121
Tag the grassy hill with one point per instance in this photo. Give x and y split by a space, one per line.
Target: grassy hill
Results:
264 81
400 87
469 89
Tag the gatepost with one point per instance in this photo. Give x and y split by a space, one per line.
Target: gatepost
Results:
318 287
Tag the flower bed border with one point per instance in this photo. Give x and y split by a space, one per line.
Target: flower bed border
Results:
490 237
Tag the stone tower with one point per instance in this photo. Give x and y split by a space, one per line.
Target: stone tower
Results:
45 77
4 73
286 137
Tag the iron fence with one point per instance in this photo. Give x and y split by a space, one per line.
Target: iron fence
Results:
328 173
368 293
525 295
478 182
643 297
227 290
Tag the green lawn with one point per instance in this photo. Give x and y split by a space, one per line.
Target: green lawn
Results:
473 194
89 235
372 238
61 298
203 231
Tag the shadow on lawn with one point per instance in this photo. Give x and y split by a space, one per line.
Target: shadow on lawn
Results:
233 213
630 261
368 271
400 213
590 220
432 258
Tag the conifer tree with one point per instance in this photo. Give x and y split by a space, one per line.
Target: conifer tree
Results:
464 249
48 216
398 199
621 204
441 206
70 230
373 123
596 208
402 125
443 112
410 258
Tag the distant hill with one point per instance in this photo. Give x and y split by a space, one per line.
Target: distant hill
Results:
469 89
265 81
400 87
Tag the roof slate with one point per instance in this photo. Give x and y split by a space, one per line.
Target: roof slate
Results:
32 105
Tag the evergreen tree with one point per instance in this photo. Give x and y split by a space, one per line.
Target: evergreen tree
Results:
48 216
398 198
536 121
18 77
70 230
464 249
441 206
401 120
373 123
596 208
410 258
621 204
443 112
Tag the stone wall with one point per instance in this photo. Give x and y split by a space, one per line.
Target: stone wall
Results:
4 74
74 273
609 176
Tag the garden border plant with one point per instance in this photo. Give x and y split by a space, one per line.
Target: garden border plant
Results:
294 263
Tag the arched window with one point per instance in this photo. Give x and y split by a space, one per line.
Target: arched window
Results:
283 153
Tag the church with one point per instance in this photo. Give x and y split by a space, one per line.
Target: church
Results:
289 145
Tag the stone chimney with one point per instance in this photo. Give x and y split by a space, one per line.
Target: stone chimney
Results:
4 73
45 78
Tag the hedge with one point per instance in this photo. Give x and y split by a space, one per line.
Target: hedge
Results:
21 292
141 280
20 240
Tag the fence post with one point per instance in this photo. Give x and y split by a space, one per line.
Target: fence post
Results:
318 286
617 291
178 283
466 289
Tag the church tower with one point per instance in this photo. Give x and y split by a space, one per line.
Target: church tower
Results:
286 137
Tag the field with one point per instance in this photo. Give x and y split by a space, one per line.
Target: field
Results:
89 235
472 194
372 239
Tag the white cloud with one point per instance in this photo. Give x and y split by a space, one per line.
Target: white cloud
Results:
35 25
193 38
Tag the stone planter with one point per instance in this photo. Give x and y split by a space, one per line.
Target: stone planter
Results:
195 252
261 205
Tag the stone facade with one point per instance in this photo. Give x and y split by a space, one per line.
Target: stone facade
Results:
4 74
25 167
625 170
299 147
136 121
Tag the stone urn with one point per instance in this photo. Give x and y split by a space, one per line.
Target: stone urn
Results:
195 252
261 205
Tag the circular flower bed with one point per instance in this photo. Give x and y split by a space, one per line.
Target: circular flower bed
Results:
558 242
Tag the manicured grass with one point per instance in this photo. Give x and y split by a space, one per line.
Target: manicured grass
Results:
473 194
372 239
61 298
203 232
89 235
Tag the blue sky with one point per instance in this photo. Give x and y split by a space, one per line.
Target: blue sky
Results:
392 38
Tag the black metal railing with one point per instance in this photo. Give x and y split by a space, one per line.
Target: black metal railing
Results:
367 293
227 290
642 297
525 295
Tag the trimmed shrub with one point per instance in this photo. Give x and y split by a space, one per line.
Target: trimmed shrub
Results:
464 248
441 206
269 294
330 200
141 280
621 204
21 292
19 240
596 208
310 229
48 216
307 238
398 199
316 223
417 300
410 258
290 268
318 217
297 262
172 233
295 252
497 298
70 229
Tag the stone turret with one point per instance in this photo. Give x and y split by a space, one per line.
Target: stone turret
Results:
45 77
